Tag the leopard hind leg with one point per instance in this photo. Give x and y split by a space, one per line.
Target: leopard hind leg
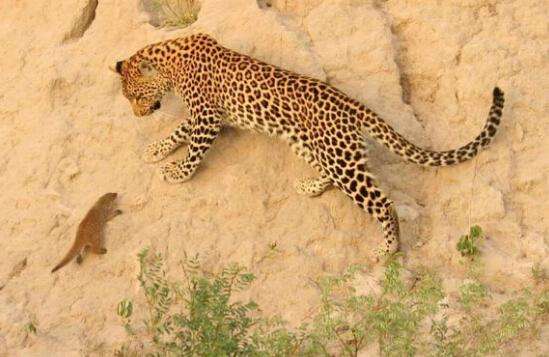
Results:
358 183
310 186
313 186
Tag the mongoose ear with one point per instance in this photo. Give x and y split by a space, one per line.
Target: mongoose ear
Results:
147 69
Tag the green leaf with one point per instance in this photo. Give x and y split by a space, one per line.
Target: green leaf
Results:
125 308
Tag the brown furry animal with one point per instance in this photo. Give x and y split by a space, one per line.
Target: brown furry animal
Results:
90 230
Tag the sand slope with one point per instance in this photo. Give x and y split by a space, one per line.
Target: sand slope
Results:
67 136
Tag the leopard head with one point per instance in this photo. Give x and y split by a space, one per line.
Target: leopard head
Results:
142 84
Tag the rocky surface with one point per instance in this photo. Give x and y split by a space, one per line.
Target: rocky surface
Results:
67 136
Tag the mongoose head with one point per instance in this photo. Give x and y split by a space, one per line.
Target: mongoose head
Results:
108 198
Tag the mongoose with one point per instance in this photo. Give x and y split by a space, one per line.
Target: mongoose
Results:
90 230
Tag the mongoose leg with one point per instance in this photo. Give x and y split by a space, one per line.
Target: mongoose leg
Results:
80 256
99 250
113 214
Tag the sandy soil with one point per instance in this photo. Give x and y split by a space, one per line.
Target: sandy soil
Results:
67 136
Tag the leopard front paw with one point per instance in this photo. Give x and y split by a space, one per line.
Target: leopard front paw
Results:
311 187
173 173
157 151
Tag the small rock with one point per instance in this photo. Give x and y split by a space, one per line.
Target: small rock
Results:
407 213
487 203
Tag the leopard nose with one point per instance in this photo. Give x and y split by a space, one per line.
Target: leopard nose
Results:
156 106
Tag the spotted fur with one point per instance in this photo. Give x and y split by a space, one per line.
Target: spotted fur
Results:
322 125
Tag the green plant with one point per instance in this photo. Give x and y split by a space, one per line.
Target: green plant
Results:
177 13
445 342
468 244
198 316
30 327
348 322
125 311
479 335
538 273
471 294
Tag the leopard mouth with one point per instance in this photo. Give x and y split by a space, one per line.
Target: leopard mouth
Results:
146 111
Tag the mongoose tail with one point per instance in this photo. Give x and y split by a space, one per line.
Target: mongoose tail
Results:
73 252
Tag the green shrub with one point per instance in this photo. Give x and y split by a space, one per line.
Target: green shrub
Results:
198 316
538 273
30 327
348 322
471 294
478 334
468 244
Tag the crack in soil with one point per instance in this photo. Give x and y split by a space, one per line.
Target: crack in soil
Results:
83 22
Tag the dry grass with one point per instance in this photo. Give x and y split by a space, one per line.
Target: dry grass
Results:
177 13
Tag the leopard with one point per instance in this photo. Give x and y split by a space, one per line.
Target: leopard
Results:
324 126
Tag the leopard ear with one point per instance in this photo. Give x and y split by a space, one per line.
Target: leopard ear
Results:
147 69
119 66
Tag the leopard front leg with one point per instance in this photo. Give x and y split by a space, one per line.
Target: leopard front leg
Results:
158 150
205 130
310 186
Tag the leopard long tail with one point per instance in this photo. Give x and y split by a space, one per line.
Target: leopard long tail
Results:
386 135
